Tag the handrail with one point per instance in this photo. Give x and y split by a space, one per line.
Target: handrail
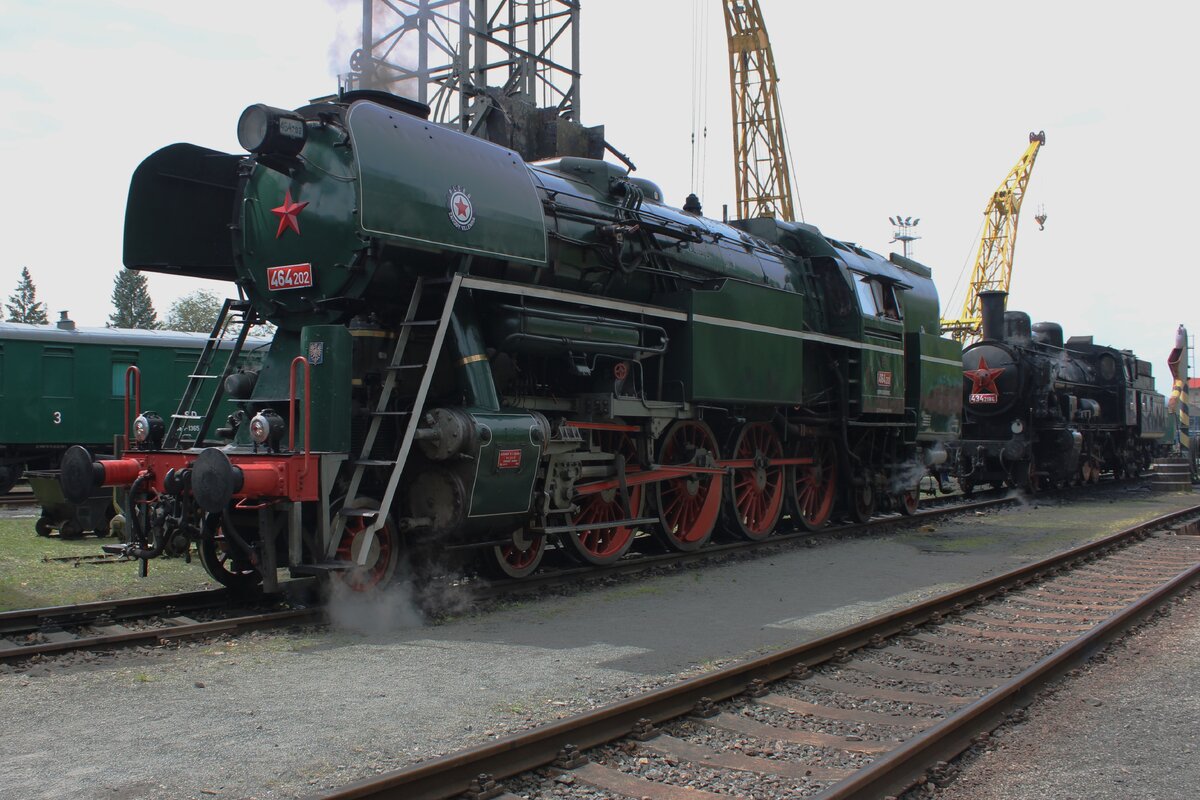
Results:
137 402
292 409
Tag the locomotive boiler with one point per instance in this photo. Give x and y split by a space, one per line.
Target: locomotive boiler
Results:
1041 412
479 356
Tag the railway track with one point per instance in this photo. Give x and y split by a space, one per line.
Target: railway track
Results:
19 497
46 632
643 562
31 633
863 713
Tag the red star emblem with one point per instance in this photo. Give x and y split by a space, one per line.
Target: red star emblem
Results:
983 379
461 207
287 214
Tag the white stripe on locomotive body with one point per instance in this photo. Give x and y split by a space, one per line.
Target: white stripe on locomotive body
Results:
949 362
805 335
563 295
581 299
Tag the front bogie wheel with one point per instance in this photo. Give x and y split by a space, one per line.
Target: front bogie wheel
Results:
375 568
519 557
223 560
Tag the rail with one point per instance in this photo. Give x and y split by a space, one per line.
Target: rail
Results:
561 741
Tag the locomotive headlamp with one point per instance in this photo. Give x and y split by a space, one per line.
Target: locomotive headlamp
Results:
267 428
271 131
1017 426
148 429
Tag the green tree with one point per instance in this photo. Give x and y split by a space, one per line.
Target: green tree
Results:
196 311
131 299
23 305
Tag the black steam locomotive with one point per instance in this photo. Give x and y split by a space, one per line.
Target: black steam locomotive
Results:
1039 412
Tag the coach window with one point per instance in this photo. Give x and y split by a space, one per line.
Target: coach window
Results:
122 361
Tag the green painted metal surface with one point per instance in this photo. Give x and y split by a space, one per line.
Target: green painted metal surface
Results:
440 189
470 354
328 351
881 374
292 261
935 385
181 199
738 347
506 465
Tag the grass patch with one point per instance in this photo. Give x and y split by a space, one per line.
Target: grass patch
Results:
28 580
636 591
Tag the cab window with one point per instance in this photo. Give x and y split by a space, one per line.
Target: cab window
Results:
877 298
866 297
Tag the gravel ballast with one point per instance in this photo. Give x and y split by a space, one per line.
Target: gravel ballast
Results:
290 713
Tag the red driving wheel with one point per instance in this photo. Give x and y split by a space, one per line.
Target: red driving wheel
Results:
688 506
604 545
754 502
814 486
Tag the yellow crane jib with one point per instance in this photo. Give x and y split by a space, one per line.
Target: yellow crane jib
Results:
994 259
763 180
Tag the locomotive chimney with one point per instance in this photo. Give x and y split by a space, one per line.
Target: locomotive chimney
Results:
65 323
991 306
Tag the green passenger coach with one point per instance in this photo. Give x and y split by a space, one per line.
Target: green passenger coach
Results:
62 385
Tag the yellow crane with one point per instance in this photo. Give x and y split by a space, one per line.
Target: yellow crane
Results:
994 260
763 180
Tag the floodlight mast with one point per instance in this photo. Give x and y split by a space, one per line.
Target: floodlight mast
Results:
904 234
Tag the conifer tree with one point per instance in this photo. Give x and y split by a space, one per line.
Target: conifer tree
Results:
23 305
131 301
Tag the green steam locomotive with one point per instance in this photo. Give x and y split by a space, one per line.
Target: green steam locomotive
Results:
479 356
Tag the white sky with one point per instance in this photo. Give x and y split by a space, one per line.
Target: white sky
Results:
914 108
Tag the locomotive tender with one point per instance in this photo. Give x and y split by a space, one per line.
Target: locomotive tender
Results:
1041 412
478 355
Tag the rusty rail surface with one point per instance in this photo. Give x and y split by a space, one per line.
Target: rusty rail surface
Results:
48 623
889 774
95 626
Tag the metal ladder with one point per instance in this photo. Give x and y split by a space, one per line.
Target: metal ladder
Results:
233 312
854 388
396 366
